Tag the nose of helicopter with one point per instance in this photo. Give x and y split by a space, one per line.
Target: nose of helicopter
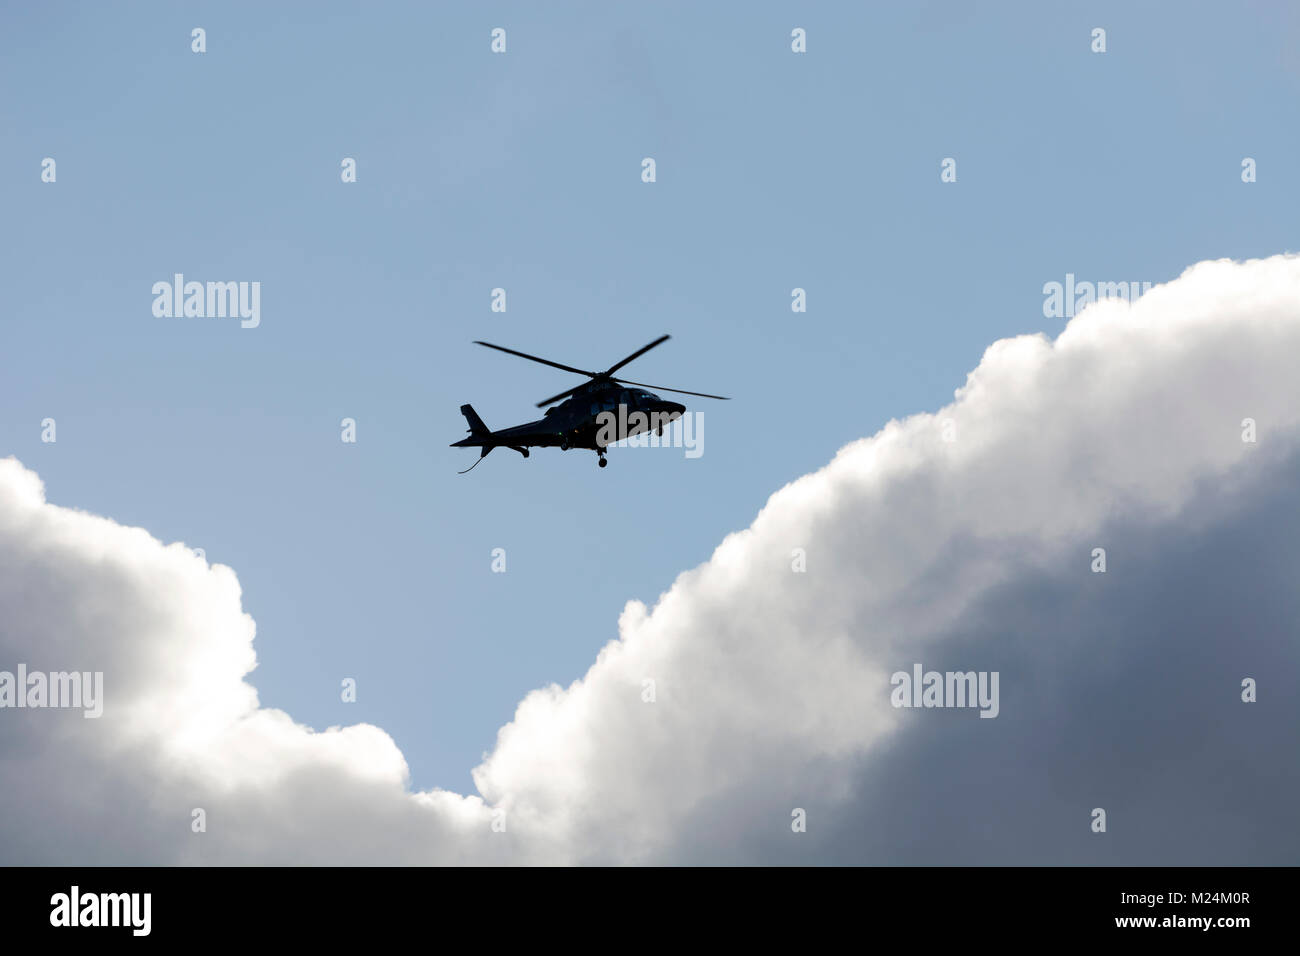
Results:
672 408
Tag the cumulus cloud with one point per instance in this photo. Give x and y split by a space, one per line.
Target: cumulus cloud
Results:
772 687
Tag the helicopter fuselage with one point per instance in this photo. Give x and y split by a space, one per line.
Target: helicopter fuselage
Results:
591 419
596 414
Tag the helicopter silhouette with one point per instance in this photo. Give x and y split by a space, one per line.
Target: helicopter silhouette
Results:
593 415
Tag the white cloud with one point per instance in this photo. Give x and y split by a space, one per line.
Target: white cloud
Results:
772 686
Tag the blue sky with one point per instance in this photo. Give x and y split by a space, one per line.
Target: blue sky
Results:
522 171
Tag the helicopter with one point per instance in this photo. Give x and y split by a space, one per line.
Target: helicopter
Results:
585 416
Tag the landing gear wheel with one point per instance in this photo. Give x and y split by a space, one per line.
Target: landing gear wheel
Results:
601 453
603 463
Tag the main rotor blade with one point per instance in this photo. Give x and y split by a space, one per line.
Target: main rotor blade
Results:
665 388
556 398
637 354
534 358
